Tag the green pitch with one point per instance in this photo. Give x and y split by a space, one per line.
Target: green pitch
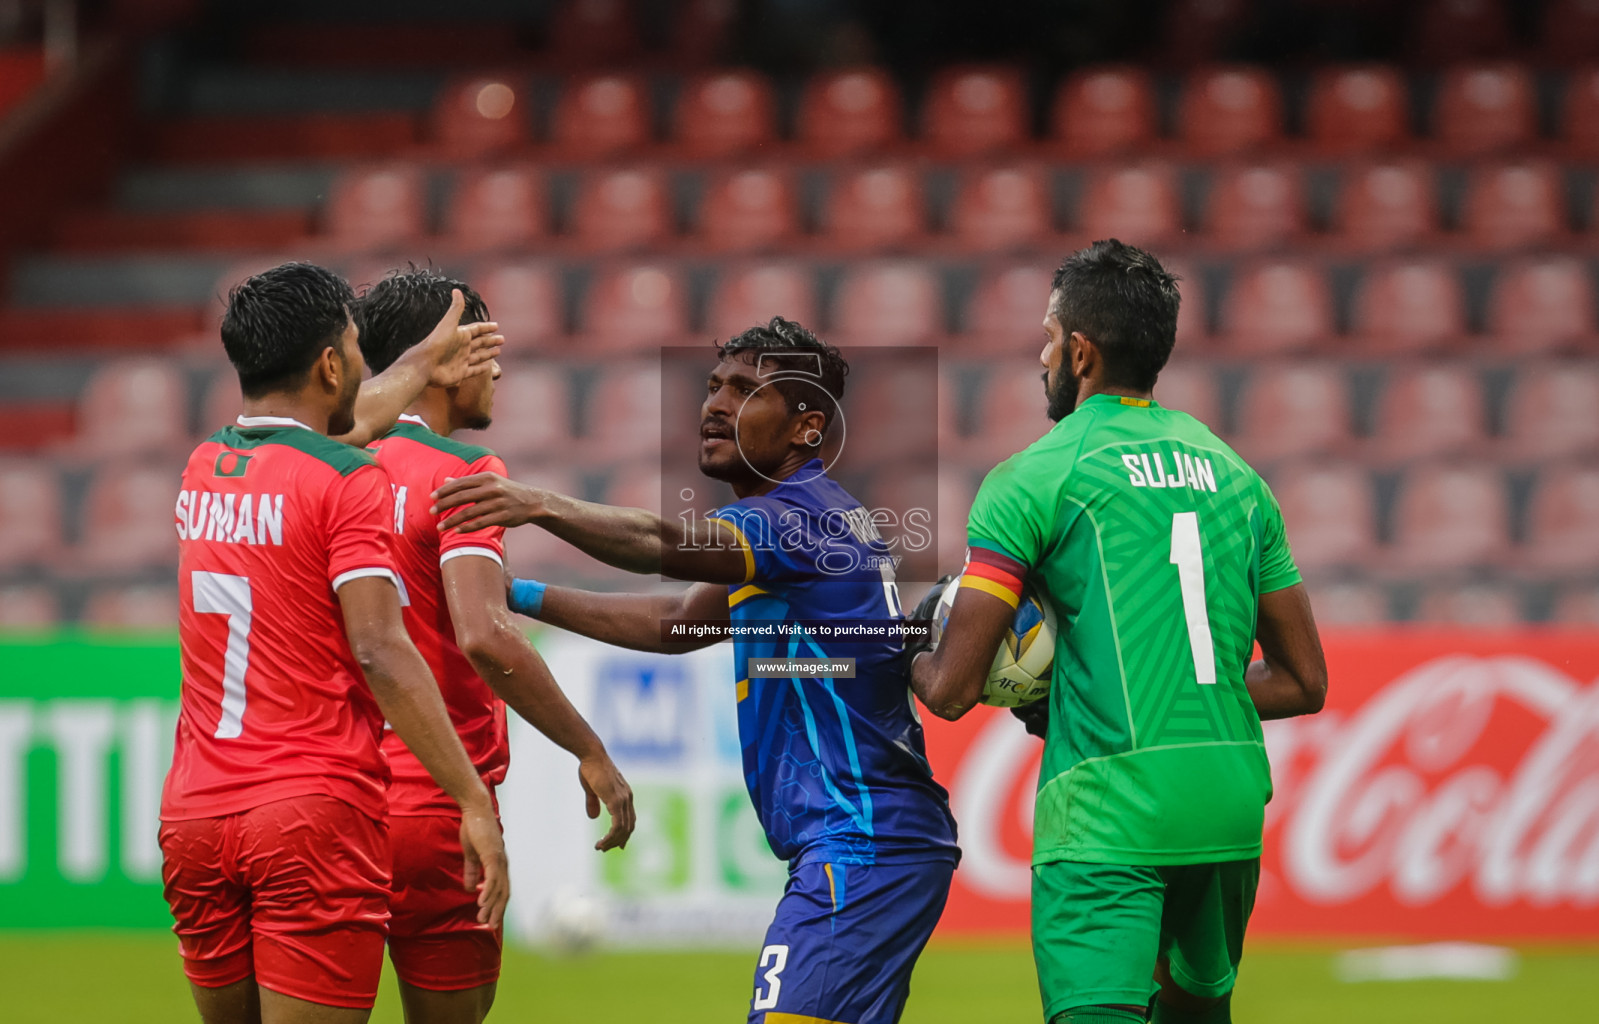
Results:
134 978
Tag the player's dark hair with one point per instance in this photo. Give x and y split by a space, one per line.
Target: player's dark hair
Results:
797 356
400 310
279 321
1125 302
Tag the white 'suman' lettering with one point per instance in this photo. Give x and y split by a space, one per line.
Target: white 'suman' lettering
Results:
252 519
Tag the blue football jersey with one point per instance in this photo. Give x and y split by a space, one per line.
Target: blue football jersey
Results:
837 767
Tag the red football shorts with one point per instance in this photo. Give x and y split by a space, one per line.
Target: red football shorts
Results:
294 892
435 940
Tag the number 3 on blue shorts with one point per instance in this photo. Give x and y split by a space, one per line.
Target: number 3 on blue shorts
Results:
770 969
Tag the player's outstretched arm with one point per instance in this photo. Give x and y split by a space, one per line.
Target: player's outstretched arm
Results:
949 679
639 622
446 357
1292 678
409 698
474 586
633 539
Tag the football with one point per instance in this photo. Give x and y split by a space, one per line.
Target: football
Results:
1025 660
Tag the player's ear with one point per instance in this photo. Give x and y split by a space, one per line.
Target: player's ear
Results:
1082 354
810 429
328 370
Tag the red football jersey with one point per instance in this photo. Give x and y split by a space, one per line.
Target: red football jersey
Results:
418 461
273 518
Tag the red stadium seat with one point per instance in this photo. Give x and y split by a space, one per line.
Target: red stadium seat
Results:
1294 410
1485 109
29 608
749 209
1515 206
1104 111
1229 110
1577 605
1277 307
702 29
1195 31
1138 204
532 411
1552 412
1450 517
602 115
1579 114
478 116
30 513
1193 324
1192 389
140 607
725 113
222 403
129 406
1350 603
589 32
1006 312
1451 31
497 208
1414 306
1563 522
1386 206
1430 410
1002 208
889 304
377 208
623 412
1570 31
876 208
129 519
1330 512
635 307
1255 207
625 209
747 296
525 299
1544 305
1357 109
848 112
1011 411
975 110
1495 605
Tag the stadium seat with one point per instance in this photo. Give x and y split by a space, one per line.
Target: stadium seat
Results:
1005 314
972 110
1357 109
1138 204
1485 109
1545 304
602 115
1294 410
848 112
1193 314
1428 411
584 33
1563 522
725 114
1229 110
1451 31
532 411
1514 206
622 414
898 303
1579 114
1001 208
1104 111
1386 206
1576 605
1191 388
1350 603
133 406
875 208
30 513
635 307
747 296
1255 206
1552 412
622 209
891 424
1276 308
128 522
139 608
1495 605
1569 31
29 608
525 299
482 115
377 208
1409 307
222 402
499 208
1197 31
1011 411
1449 517
1330 512
701 31
747 210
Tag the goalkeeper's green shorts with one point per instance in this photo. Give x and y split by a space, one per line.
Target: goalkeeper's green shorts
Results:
1099 928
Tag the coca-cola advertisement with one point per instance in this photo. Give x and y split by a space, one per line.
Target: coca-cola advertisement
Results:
1450 789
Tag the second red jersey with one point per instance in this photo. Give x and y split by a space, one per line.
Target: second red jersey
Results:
418 461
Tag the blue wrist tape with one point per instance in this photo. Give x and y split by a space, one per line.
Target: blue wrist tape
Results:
527 597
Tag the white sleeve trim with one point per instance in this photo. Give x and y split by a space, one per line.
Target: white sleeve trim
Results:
484 552
355 574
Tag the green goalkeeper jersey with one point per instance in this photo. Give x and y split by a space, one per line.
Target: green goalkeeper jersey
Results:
1152 540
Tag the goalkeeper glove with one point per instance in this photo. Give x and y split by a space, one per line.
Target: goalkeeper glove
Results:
1035 716
926 611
